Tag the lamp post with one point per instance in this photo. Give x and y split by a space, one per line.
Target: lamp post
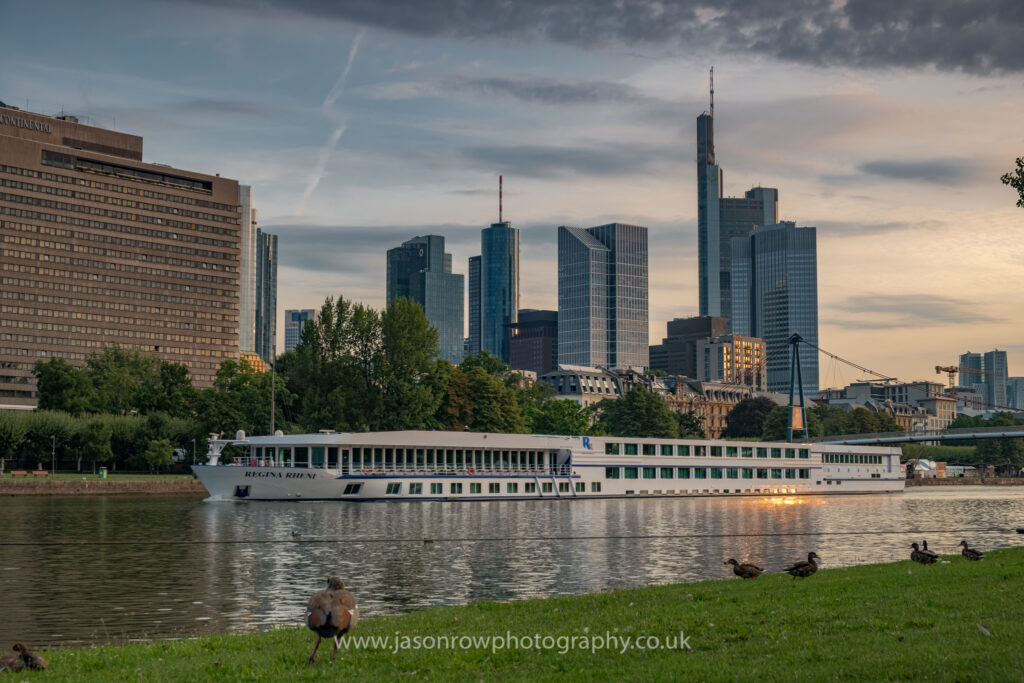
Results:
53 455
193 451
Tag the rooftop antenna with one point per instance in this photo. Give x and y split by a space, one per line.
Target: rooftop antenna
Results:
499 198
712 92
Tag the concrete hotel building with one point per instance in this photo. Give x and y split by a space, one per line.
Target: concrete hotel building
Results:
98 248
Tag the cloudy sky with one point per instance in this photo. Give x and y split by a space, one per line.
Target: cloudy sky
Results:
362 123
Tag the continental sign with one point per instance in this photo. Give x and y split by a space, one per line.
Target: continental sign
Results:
18 122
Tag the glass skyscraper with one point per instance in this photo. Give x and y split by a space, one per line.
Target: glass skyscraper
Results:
499 288
294 321
602 296
420 270
988 374
775 293
473 342
266 296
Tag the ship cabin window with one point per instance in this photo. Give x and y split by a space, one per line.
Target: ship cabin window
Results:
650 473
666 449
421 459
389 458
700 473
512 487
748 472
731 451
352 489
332 457
455 487
762 452
747 452
631 473
631 449
776 452
394 489
667 473
580 487
378 458
805 474
684 472
286 457
699 451
682 450
716 451
804 453
530 487
790 452
612 472
301 456
611 448
318 457
762 473
776 473
732 473
650 449
474 487
478 459
494 487
460 459
563 487
790 474
436 488
716 472
415 489
595 487
506 463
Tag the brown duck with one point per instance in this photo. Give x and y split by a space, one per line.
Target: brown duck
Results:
803 569
21 657
331 612
744 570
971 553
922 556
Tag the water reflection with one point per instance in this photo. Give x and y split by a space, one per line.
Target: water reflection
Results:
237 567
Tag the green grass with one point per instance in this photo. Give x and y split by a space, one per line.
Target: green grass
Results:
111 476
899 621
938 453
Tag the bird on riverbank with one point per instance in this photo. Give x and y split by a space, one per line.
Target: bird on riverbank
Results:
803 569
21 657
922 556
970 553
11 662
744 570
331 612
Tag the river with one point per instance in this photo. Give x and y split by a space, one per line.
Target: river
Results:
89 570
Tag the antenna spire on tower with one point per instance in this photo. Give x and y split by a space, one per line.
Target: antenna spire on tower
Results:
712 92
499 198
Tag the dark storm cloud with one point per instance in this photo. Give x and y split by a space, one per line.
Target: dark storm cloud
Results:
547 91
979 36
935 171
885 311
538 161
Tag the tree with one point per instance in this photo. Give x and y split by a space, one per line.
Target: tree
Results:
1015 179
562 416
158 454
63 387
690 426
124 379
639 413
494 404
777 422
96 442
240 399
13 426
746 419
490 364
409 349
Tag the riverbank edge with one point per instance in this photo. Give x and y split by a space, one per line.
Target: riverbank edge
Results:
967 481
101 487
899 621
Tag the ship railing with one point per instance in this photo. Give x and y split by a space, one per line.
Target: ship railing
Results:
389 470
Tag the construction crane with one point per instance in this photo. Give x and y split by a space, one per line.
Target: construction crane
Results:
951 370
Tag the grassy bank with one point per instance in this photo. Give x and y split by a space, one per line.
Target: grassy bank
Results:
68 484
897 621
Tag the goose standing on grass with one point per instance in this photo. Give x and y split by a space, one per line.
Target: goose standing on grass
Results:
922 556
803 569
330 613
744 570
971 553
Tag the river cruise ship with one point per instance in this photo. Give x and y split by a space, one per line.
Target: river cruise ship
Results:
460 466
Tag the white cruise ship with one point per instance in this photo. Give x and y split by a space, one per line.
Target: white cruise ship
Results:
466 466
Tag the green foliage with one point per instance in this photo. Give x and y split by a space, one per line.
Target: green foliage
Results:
494 404
240 399
943 453
639 413
409 350
690 426
13 427
158 454
746 419
562 416
484 360
63 387
1015 179
96 442
777 422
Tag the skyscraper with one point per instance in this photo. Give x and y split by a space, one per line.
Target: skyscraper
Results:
473 342
421 271
247 267
988 374
499 287
266 296
535 341
775 293
294 321
719 220
602 296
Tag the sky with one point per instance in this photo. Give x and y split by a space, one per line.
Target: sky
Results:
361 124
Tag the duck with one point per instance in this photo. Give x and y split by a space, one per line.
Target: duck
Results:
803 569
12 662
331 612
971 553
924 549
744 570
922 556
21 657
1020 530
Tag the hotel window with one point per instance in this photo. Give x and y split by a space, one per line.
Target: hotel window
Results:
474 487
455 487
762 452
611 449
512 487
546 487
684 472
631 449
748 472
716 472
747 452
631 473
700 473
416 489
667 473
776 473
581 487
732 473
494 487
666 449
682 450
716 451
650 473
436 488
394 489
595 487
611 472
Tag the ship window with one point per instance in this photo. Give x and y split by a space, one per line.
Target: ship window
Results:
682 450
611 472
700 473
684 472
700 451
301 456
332 457
762 473
563 487
762 452
790 474
547 487
776 473
630 449
732 473
595 487
631 473
747 452
667 473
776 452
805 474
415 489
790 452
730 451
318 456
650 473
649 449
460 461
394 489
611 448
352 489
389 457
716 472
716 451
455 487
494 487
378 457
529 487
666 449
804 453
436 488
474 487
580 487
512 487
748 473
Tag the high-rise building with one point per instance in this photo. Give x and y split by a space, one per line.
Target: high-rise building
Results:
421 271
534 343
602 296
719 220
987 374
732 359
247 266
473 340
100 248
294 321
499 287
1015 393
775 293
677 352
266 296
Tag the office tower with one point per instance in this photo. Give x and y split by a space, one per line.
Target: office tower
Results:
294 321
719 220
421 271
732 359
473 341
266 296
602 296
677 353
1015 393
499 287
99 247
988 375
247 267
775 293
534 344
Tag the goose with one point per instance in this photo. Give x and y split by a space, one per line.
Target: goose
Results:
971 553
922 556
744 570
330 613
803 569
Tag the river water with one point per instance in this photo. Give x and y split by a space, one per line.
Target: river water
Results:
87 570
